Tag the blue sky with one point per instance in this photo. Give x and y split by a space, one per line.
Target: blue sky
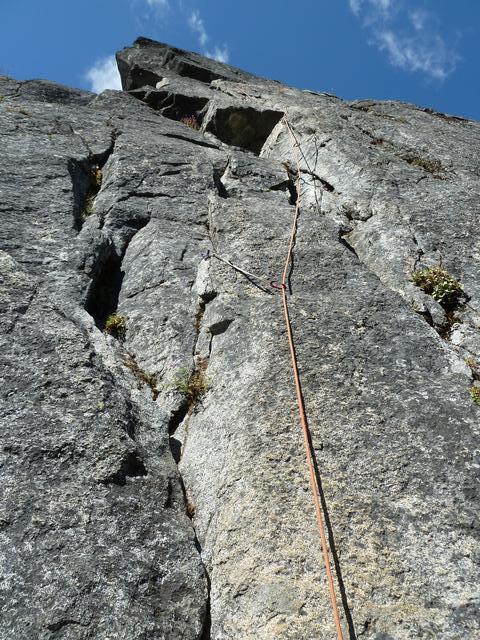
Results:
421 51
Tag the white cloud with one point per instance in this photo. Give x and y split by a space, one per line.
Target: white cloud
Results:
431 56
355 6
219 54
196 24
372 8
165 10
198 27
382 5
410 39
158 4
418 18
104 75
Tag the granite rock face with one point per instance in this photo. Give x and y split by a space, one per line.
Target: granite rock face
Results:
153 481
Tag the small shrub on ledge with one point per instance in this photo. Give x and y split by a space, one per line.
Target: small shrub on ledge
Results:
192 385
475 394
116 326
438 283
190 121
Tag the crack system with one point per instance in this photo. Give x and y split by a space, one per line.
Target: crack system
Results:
86 175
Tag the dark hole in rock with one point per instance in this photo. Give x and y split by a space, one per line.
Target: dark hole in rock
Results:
221 189
173 105
220 327
168 504
184 107
196 72
176 106
176 449
79 175
287 185
102 298
86 176
246 128
135 77
107 274
140 94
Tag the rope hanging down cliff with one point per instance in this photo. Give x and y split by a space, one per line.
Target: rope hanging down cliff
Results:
300 402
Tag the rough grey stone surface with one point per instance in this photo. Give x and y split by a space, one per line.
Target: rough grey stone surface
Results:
143 507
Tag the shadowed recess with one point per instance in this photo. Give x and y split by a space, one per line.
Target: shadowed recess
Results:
246 128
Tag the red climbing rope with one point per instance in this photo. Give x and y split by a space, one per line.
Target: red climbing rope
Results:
301 405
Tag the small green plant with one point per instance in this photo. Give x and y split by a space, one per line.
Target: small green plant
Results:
472 363
2 97
95 178
116 326
438 283
190 508
432 166
21 110
142 376
475 394
474 367
193 385
88 206
190 121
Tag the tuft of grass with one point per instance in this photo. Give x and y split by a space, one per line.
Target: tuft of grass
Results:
21 110
474 367
438 283
116 326
475 394
472 363
193 385
95 177
142 376
88 206
431 166
190 508
190 121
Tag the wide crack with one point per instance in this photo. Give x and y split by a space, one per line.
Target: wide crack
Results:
107 275
87 176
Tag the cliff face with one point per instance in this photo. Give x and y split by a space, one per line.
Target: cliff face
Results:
153 478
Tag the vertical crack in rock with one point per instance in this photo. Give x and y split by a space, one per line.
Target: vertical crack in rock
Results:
343 239
187 406
294 201
193 390
107 275
86 176
295 195
218 181
333 549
